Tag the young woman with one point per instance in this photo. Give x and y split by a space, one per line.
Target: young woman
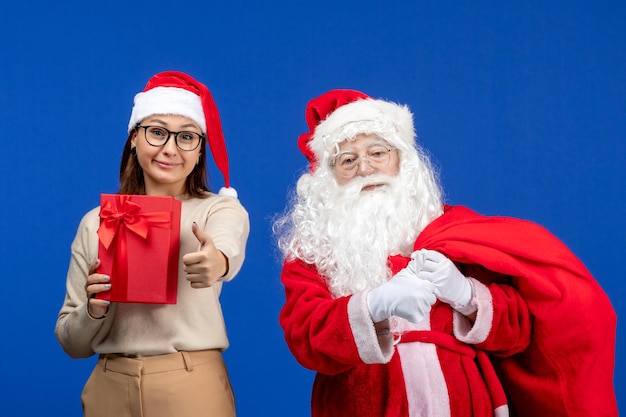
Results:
162 359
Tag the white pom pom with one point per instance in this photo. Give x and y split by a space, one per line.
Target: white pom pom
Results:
229 192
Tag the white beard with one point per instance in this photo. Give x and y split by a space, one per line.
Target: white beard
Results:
349 233
363 228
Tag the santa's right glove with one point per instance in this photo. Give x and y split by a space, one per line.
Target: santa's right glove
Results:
404 295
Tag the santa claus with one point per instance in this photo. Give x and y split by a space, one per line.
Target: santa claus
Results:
407 307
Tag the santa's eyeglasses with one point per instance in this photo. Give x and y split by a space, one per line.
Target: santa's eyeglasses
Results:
346 164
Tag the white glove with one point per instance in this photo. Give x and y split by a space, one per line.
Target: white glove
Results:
451 286
404 295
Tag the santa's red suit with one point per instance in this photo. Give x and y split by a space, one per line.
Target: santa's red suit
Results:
542 320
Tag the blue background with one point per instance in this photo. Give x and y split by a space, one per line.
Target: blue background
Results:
522 105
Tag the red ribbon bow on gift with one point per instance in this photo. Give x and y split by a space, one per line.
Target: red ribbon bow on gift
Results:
116 219
128 214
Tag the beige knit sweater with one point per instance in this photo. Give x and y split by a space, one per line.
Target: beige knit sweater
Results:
195 322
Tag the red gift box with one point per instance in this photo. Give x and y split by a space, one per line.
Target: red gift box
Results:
138 246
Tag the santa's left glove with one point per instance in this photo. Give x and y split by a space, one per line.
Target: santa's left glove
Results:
451 286
404 295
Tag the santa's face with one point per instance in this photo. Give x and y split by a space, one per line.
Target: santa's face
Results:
364 156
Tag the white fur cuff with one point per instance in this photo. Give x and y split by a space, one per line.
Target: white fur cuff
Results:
364 333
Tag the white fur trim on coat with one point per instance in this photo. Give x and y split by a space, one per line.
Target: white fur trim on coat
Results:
364 333
478 332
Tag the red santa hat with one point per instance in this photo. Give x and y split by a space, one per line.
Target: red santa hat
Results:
338 115
173 92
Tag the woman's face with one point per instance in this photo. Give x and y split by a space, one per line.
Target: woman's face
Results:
166 168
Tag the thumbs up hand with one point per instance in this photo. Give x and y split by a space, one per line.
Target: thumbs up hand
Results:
207 265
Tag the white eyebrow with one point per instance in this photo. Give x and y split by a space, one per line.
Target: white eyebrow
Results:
368 146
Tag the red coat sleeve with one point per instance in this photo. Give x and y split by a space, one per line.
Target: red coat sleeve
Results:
511 324
316 325
503 323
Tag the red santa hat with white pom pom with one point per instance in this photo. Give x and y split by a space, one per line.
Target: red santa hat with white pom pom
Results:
341 114
173 92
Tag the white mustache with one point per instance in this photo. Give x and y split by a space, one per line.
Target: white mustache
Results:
355 186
